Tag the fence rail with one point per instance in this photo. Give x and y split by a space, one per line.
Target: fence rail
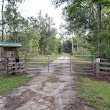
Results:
34 64
39 63
83 64
103 67
49 63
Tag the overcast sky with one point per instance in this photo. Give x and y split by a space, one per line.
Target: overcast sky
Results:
31 7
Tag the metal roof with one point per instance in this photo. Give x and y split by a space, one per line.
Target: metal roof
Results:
10 44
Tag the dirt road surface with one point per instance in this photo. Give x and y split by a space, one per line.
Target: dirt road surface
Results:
46 91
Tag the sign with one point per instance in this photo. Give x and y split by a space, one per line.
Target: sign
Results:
9 54
98 60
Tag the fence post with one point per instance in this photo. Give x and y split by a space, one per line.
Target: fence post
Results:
93 58
25 64
48 62
70 63
7 65
97 67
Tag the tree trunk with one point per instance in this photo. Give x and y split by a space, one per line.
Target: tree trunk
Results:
2 27
2 21
99 29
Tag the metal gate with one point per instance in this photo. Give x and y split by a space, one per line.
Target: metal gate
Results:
83 64
48 63
59 64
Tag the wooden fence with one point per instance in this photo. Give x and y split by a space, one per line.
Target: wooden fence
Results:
102 67
12 65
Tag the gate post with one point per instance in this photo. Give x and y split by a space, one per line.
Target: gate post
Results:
48 62
7 62
25 64
93 65
70 63
97 67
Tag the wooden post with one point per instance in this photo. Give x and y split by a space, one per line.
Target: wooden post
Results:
48 63
70 63
25 64
93 57
97 67
7 62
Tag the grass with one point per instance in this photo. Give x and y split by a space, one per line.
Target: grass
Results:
7 84
53 79
82 59
94 93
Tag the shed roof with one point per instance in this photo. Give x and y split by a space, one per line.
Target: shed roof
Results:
10 44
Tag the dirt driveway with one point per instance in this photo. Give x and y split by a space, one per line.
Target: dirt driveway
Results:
47 91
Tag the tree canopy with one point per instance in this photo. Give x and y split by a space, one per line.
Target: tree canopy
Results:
37 34
90 19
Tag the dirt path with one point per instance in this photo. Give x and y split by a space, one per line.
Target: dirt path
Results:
47 91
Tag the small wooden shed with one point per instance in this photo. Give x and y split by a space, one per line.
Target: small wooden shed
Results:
9 49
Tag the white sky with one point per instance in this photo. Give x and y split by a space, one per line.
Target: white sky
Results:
31 7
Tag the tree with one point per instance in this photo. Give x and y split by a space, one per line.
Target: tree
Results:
67 46
2 20
83 15
54 46
12 18
44 26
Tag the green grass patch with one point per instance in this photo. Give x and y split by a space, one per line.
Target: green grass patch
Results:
94 93
82 59
53 79
9 83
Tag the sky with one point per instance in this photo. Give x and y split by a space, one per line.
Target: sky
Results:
31 7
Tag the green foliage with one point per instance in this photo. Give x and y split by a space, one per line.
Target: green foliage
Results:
54 46
44 26
67 46
29 39
94 93
34 41
12 19
36 34
81 17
